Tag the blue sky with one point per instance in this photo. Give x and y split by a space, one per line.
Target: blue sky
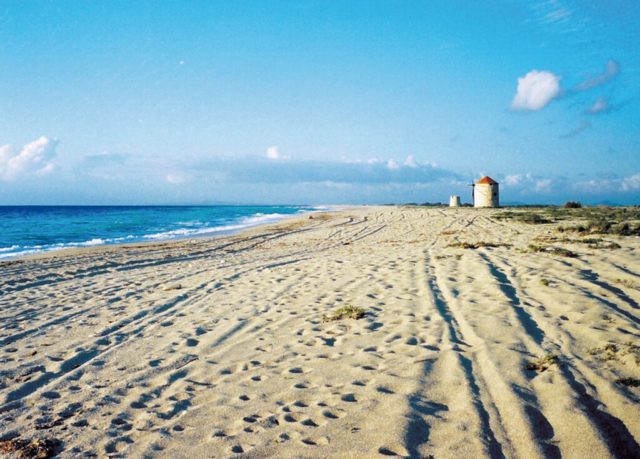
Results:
310 102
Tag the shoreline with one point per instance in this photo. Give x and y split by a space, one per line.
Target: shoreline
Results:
101 248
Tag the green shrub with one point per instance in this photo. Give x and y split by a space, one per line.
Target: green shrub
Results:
543 363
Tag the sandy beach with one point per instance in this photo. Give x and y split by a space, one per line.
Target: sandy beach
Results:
221 348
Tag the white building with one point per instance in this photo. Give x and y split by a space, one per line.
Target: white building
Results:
454 201
486 193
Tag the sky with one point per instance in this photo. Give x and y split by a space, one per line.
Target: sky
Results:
318 102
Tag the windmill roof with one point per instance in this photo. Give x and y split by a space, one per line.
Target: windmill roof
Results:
487 179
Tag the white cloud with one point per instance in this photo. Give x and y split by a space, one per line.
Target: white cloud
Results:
273 153
373 161
392 165
410 161
46 169
535 90
631 183
174 179
599 106
511 180
36 156
544 185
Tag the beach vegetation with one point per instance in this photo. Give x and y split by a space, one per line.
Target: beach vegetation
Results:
530 218
628 283
433 204
477 245
460 245
560 252
628 382
536 248
345 312
613 352
590 242
617 221
603 227
608 318
544 282
543 363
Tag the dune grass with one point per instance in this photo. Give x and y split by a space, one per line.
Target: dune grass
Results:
345 312
543 363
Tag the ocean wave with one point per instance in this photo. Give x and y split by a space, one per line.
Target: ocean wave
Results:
245 222
186 231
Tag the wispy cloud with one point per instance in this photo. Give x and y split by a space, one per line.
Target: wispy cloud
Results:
174 179
258 170
36 156
601 105
535 90
560 16
583 127
104 159
611 70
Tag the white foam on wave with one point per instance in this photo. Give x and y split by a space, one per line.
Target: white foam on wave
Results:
179 233
245 222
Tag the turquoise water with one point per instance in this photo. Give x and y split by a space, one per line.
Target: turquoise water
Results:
25 230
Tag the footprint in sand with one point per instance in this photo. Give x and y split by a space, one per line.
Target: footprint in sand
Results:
384 390
396 450
290 418
333 414
309 423
316 441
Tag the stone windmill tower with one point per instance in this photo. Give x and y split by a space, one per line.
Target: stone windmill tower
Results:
486 193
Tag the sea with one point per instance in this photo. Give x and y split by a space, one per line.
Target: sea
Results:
27 230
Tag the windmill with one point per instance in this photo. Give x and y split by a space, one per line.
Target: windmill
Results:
473 188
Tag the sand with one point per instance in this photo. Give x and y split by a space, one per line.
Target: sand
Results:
217 347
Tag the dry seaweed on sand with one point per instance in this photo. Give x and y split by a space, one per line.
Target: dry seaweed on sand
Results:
345 312
543 363
35 449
